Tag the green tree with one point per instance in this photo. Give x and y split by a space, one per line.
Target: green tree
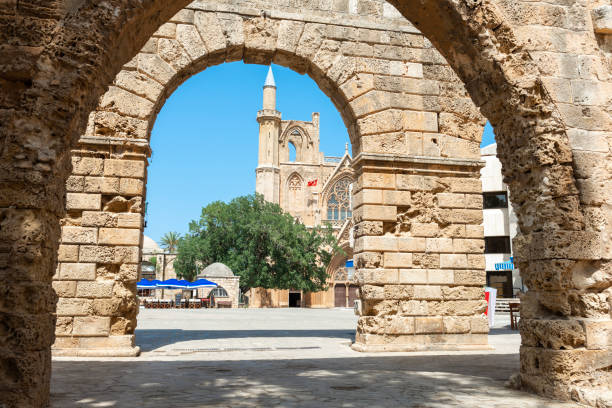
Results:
153 261
260 243
170 241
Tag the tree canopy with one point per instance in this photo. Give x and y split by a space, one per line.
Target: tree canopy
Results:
170 241
263 245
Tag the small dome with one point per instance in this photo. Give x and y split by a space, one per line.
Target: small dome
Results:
217 270
150 246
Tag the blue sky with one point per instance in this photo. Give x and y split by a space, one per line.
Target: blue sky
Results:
205 139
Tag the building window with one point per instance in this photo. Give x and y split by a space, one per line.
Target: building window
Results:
497 245
495 200
218 292
292 152
502 281
339 200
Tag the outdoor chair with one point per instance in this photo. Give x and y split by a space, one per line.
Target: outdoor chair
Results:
514 314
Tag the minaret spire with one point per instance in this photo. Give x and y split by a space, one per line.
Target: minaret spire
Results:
270 78
267 180
269 92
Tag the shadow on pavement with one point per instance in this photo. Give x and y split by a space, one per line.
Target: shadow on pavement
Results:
388 381
149 340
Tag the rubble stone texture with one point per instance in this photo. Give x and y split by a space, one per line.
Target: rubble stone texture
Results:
82 83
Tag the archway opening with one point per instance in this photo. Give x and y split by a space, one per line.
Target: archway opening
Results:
218 149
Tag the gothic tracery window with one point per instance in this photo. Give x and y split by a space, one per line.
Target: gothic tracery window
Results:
339 200
295 182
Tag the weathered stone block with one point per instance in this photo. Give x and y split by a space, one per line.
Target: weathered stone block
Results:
75 184
376 276
156 68
451 200
429 292
552 334
88 166
424 229
426 260
424 325
95 289
462 293
439 245
456 324
63 326
119 236
123 102
64 289
440 276
91 326
474 231
413 276
83 201
375 212
411 244
108 255
468 246
68 253
479 324
470 277
371 292
397 259
384 243
124 168
78 271
465 185
107 185
73 307
377 180
476 261
598 334
129 220
414 307
396 197
368 260
398 291
453 261
98 219
79 235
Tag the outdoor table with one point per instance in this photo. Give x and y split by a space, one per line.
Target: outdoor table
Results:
205 302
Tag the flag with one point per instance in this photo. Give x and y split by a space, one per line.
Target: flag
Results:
312 183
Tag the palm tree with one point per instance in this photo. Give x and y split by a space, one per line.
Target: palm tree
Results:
170 241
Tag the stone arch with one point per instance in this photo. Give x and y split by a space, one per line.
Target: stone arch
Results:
564 224
300 139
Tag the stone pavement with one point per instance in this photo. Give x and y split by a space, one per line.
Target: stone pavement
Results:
285 358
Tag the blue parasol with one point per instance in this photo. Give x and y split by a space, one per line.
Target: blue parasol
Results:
202 283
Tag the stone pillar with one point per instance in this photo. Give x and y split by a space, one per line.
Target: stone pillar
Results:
565 325
100 250
419 254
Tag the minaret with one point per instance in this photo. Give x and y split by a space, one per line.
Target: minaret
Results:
268 171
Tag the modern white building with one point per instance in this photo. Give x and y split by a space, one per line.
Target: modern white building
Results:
500 226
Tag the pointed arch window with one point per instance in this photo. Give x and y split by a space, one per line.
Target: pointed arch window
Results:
339 200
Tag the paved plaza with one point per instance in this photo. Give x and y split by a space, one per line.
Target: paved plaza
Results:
284 358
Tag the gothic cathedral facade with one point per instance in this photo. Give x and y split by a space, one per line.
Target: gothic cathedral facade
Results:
314 188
